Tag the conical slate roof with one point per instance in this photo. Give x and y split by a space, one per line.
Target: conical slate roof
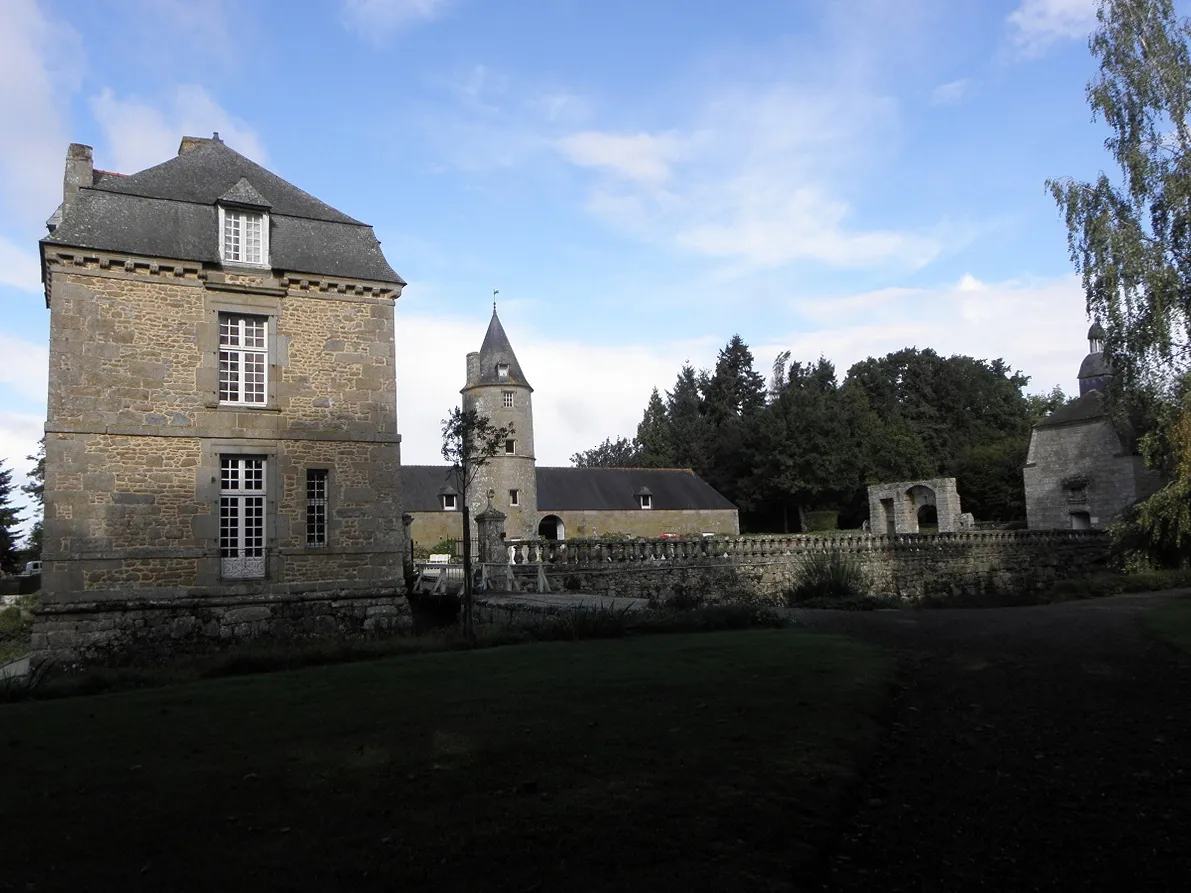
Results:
496 351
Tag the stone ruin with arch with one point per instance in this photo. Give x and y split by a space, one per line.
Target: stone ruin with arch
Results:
911 506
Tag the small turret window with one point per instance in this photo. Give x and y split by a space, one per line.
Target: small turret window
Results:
510 447
514 497
502 370
506 398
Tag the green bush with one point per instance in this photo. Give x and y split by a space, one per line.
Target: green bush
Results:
15 628
828 576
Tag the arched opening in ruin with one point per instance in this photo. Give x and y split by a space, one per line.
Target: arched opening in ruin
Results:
552 528
928 519
917 498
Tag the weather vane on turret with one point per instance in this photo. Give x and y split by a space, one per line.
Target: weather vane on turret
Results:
495 292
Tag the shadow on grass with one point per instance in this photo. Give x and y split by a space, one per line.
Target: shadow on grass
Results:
679 762
1171 623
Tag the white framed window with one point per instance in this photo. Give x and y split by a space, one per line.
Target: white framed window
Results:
243 359
448 502
506 399
510 447
242 517
244 237
645 500
514 497
316 506
502 370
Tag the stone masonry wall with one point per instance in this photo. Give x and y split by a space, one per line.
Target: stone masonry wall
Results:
1091 450
909 567
135 433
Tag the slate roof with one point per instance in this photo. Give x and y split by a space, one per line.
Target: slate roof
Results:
581 489
1094 365
497 350
1088 408
421 484
169 211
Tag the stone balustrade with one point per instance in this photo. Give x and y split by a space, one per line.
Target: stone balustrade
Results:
907 566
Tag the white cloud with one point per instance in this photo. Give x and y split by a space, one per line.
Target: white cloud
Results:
759 178
19 267
19 434
377 19
950 93
39 59
1036 24
1037 326
140 135
642 156
24 370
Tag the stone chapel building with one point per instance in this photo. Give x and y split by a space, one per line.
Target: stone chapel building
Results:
554 503
222 455
1082 469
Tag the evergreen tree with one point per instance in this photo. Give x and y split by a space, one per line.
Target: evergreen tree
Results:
684 411
36 489
10 519
654 438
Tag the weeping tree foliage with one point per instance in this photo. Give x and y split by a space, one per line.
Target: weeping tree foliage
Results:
1130 237
1130 240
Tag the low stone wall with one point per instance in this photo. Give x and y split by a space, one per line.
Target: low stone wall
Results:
145 632
909 567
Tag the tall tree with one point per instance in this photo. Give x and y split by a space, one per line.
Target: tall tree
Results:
1130 239
469 441
10 518
620 453
36 489
654 436
684 410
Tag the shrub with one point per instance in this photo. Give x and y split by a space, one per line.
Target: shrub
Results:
828 576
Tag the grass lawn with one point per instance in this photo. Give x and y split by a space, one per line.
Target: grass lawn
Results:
1172 622
715 761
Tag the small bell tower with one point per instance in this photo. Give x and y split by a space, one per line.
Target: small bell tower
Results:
497 388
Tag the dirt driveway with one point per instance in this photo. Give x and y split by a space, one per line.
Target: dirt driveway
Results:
1044 748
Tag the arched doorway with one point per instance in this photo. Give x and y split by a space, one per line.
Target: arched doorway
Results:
928 519
552 528
917 498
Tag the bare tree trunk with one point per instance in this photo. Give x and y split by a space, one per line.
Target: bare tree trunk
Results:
468 628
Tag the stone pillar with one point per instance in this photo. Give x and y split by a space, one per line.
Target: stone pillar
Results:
490 526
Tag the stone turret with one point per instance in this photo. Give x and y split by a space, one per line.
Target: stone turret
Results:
1094 371
498 389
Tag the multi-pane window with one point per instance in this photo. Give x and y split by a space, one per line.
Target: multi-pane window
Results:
514 497
507 399
510 447
243 358
316 507
242 516
243 237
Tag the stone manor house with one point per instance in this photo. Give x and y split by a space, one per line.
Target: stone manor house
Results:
222 452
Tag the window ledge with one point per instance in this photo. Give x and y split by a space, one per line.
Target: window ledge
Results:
242 407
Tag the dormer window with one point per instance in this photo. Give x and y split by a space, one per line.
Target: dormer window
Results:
448 502
244 237
502 370
644 498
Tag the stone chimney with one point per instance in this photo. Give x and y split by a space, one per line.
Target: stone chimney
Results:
473 368
193 142
80 171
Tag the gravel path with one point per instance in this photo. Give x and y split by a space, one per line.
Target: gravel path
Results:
1044 748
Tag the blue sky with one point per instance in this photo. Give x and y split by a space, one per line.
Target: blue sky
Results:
640 179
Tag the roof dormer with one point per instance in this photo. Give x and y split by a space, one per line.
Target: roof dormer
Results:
244 225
